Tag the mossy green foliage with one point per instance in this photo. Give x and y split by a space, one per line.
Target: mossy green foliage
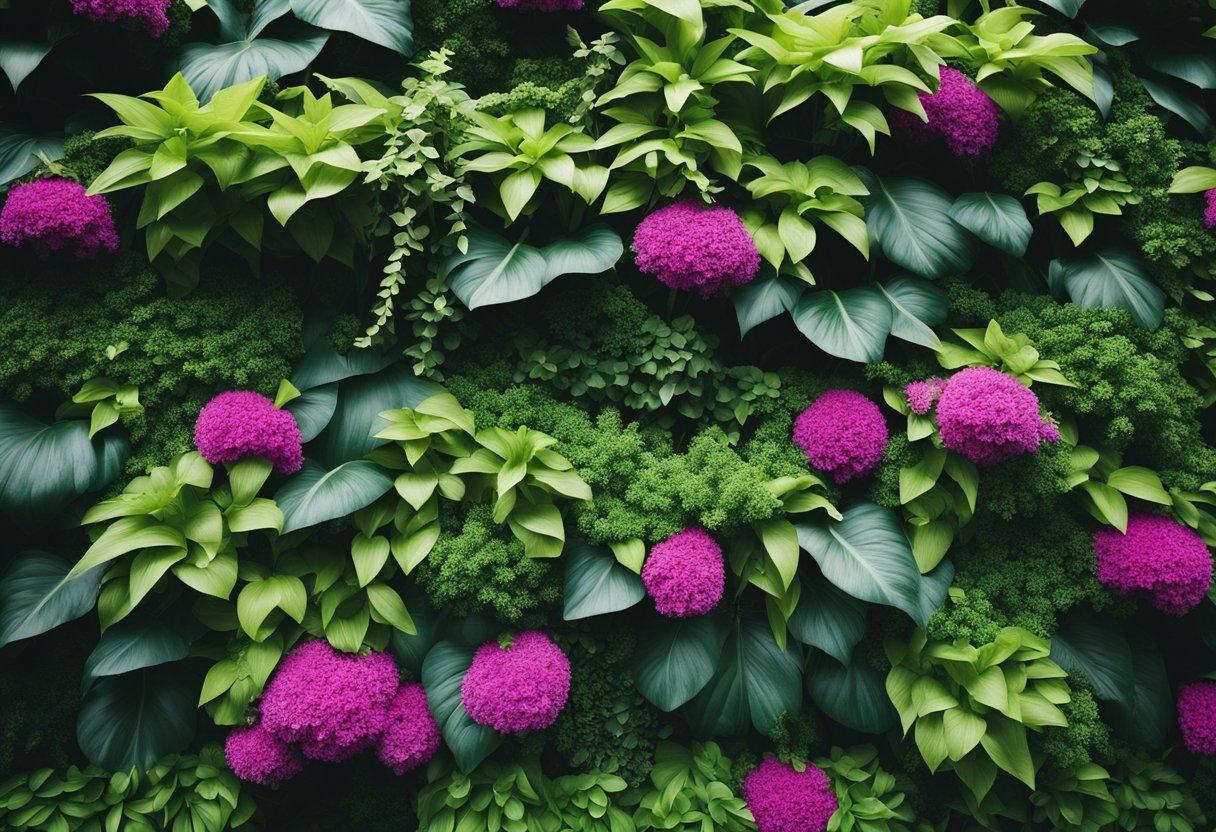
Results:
232 333
1087 738
85 157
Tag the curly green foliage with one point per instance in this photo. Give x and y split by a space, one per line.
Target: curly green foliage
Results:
1087 737
475 568
553 84
232 333
899 453
1019 574
793 736
1130 393
87 157
925 8
606 725
1027 486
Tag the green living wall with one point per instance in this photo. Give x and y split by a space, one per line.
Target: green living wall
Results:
607 415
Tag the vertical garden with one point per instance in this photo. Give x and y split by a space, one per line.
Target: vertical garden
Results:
607 415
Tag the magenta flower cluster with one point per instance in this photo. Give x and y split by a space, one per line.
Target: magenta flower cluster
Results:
542 5
922 395
784 800
331 706
50 215
238 424
685 574
959 112
1197 717
689 246
518 685
1209 213
150 14
843 433
1158 559
988 416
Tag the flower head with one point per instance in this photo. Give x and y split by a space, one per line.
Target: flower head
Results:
842 433
1157 558
52 215
257 755
410 736
685 574
333 704
150 14
1209 213
922 395
238 424
784 800
959 112
688 246
519 687
1197 717
988 416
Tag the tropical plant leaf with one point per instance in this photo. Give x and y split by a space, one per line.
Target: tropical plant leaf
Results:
20 58
916 305
1110 280
37 595
351 431
1068 8
596 583
19 152
853 694
763 300
1151 717
828 618
384 22
313 410
133 720
997 219
851 324
933 589
593 250
314 495
133 644
909 220
1096 646
676 659
1182 103
442 674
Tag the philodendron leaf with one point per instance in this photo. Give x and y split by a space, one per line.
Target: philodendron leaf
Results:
852 324
1095 645
1151 716
19 58
828 618
133 644
916 305
675 659
909 220
763 300
384 22
596 583
867 555
997 219
314 495
442 675
19 152
594 249
37 595
853 694
313 410
133 720
1110 280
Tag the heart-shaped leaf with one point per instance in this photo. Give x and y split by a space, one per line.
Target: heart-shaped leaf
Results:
442 675
37 595
133 720
315 495
997 219
676 658
829 619
763 300
909 220
916 305
133 644
384 22
1110 280
852 324
596 583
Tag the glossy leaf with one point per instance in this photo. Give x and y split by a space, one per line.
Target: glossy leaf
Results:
384 22
675 660
854 695
909 219
137 718
351 430
36 595
851 324
916 305
442 675
763 300
19 152
1096 646
1110 280
997 219
315 495
829 619
133 644
596 583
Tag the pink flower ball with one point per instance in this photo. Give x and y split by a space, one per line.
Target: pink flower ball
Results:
238 424
989 417
842 433
150 14
334 704
542 5
410 736
1157 558
959 112
520 687
1197 717
784 800
258 756
52 215
689 245
922 395
685 574
1209 213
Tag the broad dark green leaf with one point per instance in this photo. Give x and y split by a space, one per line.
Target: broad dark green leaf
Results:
1068 8
909 220
1151 717
1191 62
675 659
384 22
37 595
933 588
596 583
997 219
916 306
755 682
19 58
867 555
442 674
19 152
829 619
351 431
134 719
313 409
1095 645
1111 32
1181 102
133 644
411 650
1110 280
855 695
763 300
852 324
314 495
594 249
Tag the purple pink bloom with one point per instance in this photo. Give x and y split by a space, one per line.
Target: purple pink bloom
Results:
959 112
922 395
842 433
519 686
1158 559
784 800
50 215
988 417
685 574
689 246
150 14
1197 717
333 704
410 736
1209 213
258 756
238 424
